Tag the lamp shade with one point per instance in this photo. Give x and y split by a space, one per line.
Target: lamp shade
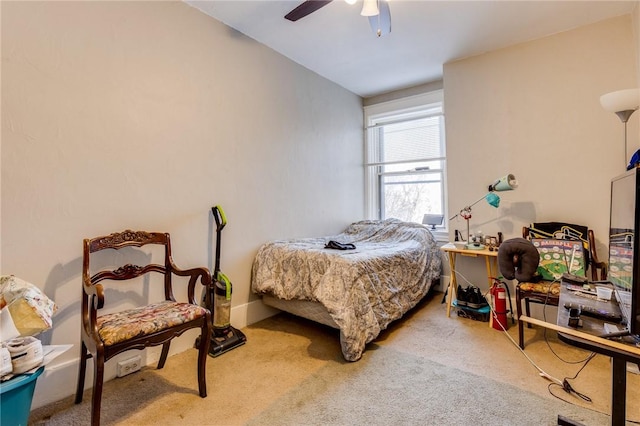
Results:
505 183
622 100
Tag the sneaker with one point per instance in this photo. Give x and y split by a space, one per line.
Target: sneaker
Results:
475 299
461 296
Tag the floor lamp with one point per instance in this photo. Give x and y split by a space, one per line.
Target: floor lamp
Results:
623 103
505 183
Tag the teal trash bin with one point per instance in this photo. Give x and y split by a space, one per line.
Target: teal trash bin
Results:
15 398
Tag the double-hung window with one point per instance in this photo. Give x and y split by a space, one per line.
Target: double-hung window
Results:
405 158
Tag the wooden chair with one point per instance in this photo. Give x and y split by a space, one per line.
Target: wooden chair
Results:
104 336
548 292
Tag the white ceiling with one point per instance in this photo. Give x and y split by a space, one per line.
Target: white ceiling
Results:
337 43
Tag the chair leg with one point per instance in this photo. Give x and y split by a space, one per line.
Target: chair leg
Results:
96 399
81 373
527 309
203 352
520 324
163 355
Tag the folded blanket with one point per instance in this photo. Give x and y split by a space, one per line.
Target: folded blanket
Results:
30 309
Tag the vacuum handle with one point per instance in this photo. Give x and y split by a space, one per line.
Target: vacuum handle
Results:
219 216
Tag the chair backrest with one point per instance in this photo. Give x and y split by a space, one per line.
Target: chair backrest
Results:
117 241
570 232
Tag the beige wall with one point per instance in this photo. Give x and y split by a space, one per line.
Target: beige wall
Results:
143 115
533 110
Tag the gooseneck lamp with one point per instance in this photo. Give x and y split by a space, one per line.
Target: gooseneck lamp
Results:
505 183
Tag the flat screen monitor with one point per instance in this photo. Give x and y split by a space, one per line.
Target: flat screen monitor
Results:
624 259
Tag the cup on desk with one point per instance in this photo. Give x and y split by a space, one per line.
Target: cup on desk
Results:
603 293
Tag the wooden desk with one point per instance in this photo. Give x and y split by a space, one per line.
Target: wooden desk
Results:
491 262
619 352
586 337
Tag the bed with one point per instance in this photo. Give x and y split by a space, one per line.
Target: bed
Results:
359 291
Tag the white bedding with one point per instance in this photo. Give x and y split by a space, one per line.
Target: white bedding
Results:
391 269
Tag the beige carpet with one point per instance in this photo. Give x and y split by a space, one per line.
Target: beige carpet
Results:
425 369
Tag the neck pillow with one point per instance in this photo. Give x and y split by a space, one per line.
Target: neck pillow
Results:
518 258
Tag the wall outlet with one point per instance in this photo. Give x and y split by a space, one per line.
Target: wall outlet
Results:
129 366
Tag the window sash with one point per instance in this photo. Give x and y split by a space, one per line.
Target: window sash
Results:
386 174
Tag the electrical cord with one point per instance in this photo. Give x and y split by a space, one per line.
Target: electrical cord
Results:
565 385
555 382
541 372
544 334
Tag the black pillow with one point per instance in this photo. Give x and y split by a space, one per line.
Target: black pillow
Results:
518 258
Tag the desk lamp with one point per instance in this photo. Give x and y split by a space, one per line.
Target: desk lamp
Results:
623 103
505 183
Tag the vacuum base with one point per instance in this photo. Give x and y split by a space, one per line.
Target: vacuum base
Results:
224 340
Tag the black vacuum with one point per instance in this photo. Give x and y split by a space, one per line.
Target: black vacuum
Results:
224 336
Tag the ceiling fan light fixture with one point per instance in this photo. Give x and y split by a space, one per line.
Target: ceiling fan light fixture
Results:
370 8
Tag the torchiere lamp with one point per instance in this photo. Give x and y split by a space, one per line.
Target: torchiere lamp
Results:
623 103
505 183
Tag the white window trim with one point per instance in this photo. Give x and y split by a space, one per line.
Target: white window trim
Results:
372 115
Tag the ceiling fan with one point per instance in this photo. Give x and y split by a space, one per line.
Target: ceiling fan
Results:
376 10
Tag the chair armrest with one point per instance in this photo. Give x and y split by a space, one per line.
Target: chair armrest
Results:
193 274
93 300
95 293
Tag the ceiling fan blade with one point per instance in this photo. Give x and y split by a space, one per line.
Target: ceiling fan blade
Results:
306 8
381 23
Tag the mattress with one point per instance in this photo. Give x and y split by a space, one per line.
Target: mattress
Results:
313 311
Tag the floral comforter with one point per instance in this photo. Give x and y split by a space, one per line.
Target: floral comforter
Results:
364 289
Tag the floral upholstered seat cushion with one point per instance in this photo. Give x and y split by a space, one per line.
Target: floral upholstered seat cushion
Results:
542 287
145 320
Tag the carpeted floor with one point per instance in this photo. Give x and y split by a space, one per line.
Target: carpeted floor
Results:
425 369
391 387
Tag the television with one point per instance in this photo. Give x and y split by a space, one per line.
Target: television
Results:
624 246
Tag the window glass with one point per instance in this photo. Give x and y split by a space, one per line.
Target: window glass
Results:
406 161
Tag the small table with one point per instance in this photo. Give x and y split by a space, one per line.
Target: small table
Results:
619 352
587 337
491 262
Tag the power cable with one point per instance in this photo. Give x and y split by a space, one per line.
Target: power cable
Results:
562 383
555 382
541 372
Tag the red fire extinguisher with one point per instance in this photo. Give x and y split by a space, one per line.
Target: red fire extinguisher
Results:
499 301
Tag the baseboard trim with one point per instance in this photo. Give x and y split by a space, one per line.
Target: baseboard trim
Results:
250 313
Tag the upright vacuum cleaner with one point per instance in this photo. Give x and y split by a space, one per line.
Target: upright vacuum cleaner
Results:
224 336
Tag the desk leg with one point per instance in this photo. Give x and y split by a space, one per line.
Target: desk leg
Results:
618 391
492 265
453 283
